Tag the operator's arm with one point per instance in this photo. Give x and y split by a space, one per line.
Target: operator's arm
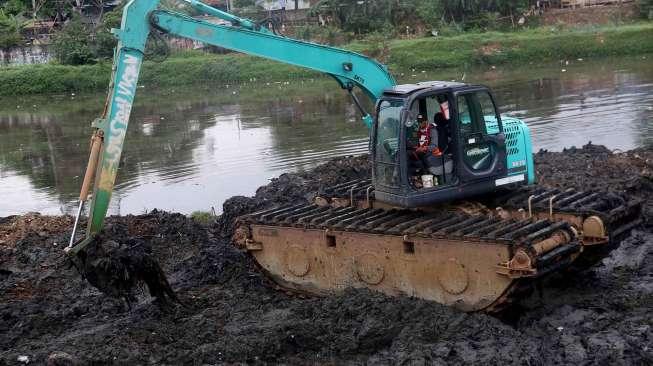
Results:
433 145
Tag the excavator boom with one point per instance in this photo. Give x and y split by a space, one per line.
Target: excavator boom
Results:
140 18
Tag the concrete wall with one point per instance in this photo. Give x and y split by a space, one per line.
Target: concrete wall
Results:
35 54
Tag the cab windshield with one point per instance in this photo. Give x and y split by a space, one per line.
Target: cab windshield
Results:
387 142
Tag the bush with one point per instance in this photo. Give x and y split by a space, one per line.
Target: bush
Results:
71 44
202 217
430 12
15 7
325 35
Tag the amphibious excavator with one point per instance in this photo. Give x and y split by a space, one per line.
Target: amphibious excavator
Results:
401 231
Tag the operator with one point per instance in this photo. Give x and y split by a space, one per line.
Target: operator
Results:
423 149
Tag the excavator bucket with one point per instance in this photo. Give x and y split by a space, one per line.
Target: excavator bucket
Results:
118 270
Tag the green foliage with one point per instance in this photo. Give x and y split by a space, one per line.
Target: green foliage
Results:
361 17
45 9
202 217
494 48
9 30
403 56
71 45
78 44
368 16
16 7
104 41
325 35
431 12
38 79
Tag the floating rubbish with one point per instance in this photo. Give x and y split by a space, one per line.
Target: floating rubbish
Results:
564 70
23 359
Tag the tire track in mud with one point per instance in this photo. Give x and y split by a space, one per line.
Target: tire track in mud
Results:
234 314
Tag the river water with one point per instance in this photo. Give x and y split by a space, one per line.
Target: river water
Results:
191 148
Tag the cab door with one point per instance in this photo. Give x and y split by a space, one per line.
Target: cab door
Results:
481 142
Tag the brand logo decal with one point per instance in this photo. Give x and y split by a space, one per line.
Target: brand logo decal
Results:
478 151
122 107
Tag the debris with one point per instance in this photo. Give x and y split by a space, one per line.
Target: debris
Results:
23 359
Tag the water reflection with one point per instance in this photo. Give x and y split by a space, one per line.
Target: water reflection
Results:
608 103
189 150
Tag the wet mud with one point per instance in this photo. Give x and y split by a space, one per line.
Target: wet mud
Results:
234 314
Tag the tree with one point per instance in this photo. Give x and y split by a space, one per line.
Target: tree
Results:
71 45
10 27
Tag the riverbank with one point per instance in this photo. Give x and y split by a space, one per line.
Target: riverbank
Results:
403 57
233 314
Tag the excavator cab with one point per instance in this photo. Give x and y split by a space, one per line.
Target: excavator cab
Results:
472 154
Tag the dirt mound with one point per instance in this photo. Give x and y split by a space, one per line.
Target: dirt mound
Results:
235 315
594 167
13 228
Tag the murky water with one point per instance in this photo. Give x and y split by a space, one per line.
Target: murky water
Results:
191 149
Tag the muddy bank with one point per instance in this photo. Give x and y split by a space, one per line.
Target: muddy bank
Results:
234 314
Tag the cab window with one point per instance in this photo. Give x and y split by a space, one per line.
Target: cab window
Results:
477 114
488 112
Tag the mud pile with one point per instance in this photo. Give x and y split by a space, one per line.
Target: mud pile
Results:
596 167
234 314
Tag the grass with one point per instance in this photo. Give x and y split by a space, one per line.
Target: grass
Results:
202 217
537 45
404 56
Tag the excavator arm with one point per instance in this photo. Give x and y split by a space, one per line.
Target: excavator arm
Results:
348 68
